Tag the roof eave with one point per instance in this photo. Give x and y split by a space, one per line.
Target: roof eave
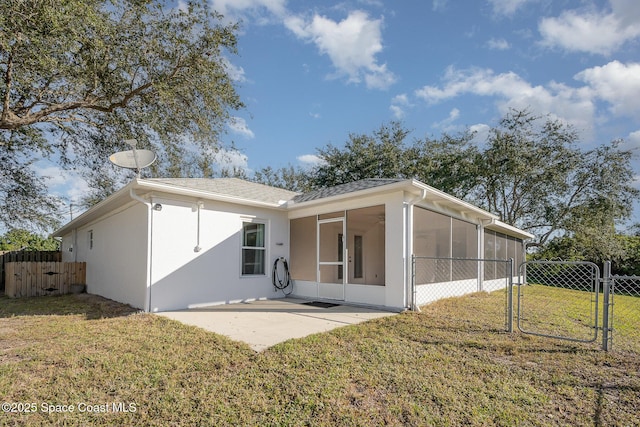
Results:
203 194
498 225
440 197
94 211
358 193
150 186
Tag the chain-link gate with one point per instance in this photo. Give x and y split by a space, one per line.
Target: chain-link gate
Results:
555 299
559 299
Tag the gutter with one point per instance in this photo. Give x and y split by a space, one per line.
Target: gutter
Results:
203 194
149 205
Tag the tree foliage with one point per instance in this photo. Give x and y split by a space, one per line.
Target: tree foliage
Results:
530 171
534 175
380 155
20 240
289 178
77 77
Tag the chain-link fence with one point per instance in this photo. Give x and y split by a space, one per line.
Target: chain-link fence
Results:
437 278
556 299
624 313
560 299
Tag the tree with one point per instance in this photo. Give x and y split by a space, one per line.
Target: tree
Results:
530 171
289 178
448 163
77 77
534 176
380 155
19 240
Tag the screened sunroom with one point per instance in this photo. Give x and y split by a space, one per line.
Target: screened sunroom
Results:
357 242
454 256
339 248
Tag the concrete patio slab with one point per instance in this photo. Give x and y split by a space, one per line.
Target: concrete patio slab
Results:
262 324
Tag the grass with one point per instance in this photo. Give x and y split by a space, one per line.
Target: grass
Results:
449 365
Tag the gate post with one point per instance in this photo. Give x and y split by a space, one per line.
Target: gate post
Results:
510 296
606 285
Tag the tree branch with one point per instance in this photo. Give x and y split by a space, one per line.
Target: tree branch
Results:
7 83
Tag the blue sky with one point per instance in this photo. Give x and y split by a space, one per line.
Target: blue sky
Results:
310 73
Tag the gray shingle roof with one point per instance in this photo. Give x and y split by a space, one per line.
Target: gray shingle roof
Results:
350 187
233 187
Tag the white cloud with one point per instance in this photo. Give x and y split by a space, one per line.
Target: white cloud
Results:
616 83
351 44
628 11
231 159
477 81
481 131
236 73
398 111
311 160
239 126
506 7
574 105
447 124
633 140
62 183
398 105
401 99
498 44
591 31
236 10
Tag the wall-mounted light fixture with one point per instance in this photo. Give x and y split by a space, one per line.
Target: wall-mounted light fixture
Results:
157 207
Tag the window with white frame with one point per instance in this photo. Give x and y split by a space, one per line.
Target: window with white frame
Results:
253 248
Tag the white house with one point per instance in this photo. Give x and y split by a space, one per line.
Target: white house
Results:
166 244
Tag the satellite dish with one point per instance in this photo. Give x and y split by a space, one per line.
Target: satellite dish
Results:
133 159
127 159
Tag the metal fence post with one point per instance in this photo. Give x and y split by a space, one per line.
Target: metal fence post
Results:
606 284
414 305
510 298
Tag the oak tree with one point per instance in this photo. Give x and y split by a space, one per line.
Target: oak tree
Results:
78 77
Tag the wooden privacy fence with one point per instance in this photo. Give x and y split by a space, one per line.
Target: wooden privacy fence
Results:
21 256
29 279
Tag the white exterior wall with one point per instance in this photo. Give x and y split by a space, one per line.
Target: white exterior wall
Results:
183 278
117 262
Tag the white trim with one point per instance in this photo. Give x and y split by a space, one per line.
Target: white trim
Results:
264 248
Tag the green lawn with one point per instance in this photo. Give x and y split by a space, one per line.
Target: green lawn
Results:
449 365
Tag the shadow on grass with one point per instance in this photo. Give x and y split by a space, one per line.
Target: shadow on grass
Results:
496 339
91 306
601 402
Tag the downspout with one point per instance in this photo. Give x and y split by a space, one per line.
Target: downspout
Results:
411 292
483 223
74 244
149 205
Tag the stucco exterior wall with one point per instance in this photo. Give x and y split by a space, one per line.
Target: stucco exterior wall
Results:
184 278
115 250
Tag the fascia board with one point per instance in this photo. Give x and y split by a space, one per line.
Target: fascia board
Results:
509 230
435 195
183 191
114 201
